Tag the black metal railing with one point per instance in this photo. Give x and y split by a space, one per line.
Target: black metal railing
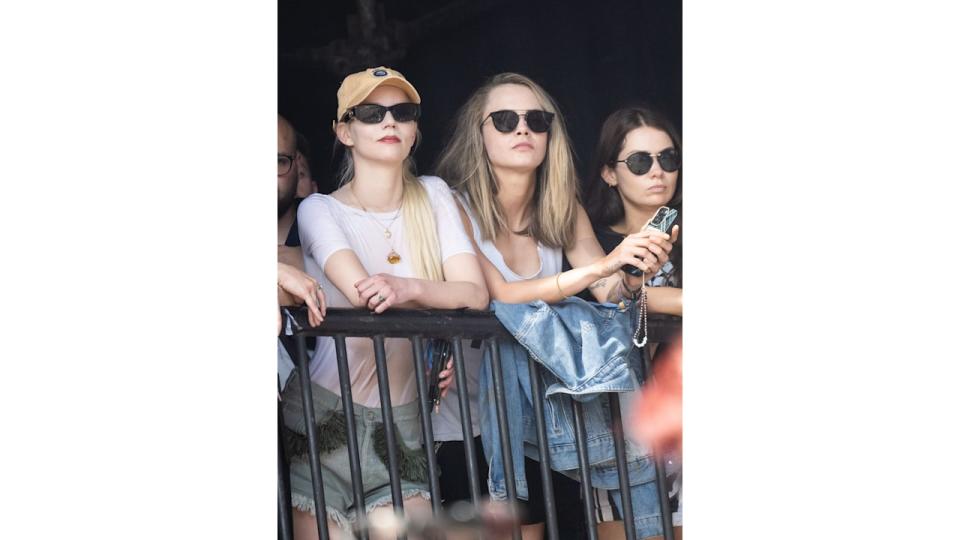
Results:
455 325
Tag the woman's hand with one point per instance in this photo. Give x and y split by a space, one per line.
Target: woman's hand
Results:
302 287
660 250
648 250
447 379
380 291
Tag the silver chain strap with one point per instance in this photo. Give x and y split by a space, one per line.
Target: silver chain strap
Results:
641 323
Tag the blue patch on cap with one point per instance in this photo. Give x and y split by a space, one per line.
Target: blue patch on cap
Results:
380 73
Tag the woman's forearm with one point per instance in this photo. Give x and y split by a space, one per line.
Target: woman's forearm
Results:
448 294
552 288
667 300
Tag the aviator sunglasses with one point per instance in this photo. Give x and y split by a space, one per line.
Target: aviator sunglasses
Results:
640 163
371 113
506 121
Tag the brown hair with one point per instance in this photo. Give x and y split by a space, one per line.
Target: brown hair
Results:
464 164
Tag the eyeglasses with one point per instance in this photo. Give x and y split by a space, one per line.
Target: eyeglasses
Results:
506 121
371 113
284 162
640 163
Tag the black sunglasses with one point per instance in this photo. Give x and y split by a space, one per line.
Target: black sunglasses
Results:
506 121
371 113
640 163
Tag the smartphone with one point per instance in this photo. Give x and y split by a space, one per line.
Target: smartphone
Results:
661 221
438 352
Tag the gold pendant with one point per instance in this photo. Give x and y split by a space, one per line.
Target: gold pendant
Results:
393 257
387 234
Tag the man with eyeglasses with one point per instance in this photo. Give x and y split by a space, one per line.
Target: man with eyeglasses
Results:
294 286
287 178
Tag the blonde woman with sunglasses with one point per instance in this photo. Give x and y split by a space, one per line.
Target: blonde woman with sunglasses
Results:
385 239
510 163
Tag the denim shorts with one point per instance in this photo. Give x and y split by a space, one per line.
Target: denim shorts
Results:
335 459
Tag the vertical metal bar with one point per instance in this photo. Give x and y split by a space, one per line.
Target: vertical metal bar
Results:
393 450
470 453
426 420
585 484
284 510
629 527
501 401
311 424
549 501
346 396
663 495
666 516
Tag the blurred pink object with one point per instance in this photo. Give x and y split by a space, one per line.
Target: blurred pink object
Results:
656 417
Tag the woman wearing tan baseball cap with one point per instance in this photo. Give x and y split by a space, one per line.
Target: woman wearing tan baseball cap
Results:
384 239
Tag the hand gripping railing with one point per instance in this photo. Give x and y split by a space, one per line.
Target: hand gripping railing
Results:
455 325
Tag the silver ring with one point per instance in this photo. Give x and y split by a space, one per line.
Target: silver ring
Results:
380 298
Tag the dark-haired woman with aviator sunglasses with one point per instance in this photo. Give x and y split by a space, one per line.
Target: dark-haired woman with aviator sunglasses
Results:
636 170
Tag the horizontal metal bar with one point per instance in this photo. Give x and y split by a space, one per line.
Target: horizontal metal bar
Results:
442 323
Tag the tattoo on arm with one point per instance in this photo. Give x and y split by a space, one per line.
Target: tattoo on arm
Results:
598 283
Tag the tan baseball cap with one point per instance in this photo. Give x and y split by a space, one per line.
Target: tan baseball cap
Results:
357 86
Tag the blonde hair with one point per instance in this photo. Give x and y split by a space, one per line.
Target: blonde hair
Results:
419 224
465 165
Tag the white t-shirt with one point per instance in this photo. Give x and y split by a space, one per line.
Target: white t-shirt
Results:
446 423
328 226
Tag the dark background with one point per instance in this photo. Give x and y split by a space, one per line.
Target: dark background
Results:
591 56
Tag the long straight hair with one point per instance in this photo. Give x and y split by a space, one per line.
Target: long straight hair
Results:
419 223
465 165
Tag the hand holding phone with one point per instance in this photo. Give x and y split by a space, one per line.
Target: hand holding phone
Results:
661 221
438 353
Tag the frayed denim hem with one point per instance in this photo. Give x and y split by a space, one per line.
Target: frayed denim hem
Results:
306 504
387 500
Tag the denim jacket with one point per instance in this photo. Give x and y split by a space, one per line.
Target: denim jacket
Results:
586 349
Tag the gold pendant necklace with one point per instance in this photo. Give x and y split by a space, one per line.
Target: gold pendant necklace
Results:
393 257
